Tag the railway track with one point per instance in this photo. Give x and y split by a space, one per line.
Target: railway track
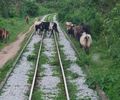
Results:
36 68
62 69
10 85
36 72
66 91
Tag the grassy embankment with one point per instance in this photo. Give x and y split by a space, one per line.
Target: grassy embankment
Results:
15 27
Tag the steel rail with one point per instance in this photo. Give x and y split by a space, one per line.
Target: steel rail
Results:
62 69
16 61
36 68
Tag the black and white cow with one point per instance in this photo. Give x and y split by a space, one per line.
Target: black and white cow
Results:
38 27
47 27
53 28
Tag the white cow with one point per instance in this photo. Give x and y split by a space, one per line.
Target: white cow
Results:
86 41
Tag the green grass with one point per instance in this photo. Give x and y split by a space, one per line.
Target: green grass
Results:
32 58
100 68
37 94
5 69
14 26
9 64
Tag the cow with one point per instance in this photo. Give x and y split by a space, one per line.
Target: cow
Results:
69 27
53 28
27 19
78 30
49 27
38 27
86 41
85 28
45 26
4 34
1 33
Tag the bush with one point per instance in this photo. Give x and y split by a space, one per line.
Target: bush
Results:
32 8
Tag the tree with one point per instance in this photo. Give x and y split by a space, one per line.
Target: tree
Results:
32 8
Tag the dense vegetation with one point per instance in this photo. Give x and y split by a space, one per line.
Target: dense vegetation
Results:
12 15
103 16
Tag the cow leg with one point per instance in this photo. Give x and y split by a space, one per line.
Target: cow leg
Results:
86 50
51 33
56 30
38 31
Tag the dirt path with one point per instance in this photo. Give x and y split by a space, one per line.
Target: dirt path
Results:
11 50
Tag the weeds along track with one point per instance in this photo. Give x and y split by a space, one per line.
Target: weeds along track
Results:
15 86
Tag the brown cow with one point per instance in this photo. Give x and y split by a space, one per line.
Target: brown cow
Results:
4 34
78 30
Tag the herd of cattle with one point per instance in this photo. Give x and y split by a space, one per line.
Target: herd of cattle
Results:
80 32
47 27
4 34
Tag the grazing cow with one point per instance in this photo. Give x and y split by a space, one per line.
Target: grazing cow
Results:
70 29
86 41
68 25
78 30
4 34
1 33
